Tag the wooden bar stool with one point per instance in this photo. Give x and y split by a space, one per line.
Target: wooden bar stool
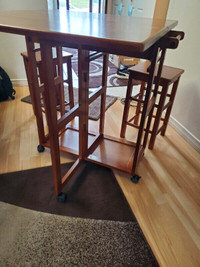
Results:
66 59
166 96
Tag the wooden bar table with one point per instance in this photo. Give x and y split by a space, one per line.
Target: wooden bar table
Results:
127 36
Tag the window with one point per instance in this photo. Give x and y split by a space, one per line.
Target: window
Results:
95 6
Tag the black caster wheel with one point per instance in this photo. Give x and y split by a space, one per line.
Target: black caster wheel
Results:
40 148
135 178
61 197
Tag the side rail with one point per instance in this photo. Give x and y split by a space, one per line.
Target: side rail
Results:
171 40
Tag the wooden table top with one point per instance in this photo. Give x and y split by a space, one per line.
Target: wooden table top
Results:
90 30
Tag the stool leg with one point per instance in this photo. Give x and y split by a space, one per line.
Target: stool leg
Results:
70 86
158 115
26 63
32 67
126 106
103 96
60 87
138 108
171 99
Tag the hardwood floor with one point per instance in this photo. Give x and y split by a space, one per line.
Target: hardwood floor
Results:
166 201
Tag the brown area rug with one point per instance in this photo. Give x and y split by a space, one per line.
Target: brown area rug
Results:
94 107
95 227
95 71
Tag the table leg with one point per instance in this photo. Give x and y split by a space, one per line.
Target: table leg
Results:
83 74
158 115
168 111
160 66
51 113
35 88
146 109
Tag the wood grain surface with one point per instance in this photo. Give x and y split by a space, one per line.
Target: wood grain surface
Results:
95 31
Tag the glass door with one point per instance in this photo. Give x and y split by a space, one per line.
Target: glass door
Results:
95 6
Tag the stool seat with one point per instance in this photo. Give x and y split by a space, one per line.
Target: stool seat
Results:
169 75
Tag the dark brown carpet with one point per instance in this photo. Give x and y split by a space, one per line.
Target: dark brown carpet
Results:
97 227
94 194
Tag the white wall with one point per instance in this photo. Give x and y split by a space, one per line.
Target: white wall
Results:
186 110
12 45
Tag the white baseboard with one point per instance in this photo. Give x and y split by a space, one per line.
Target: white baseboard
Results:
19 82
185 133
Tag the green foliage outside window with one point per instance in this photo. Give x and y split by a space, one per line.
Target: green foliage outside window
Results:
80 3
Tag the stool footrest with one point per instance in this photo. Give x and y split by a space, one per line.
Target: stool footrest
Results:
136 99
167 105
131 119
150 105
132 125
161 128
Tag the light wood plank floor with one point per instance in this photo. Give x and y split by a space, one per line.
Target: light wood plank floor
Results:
166 201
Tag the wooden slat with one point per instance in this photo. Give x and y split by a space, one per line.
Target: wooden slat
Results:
94 145
150 105
95 55
133 125
103 96
60 87
136 99
67 117
161 128
35 87
119 140
167 105
83 73
71 172
51 114
94 95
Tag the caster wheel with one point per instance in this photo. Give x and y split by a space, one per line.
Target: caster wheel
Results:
135 178
61 197
40 148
